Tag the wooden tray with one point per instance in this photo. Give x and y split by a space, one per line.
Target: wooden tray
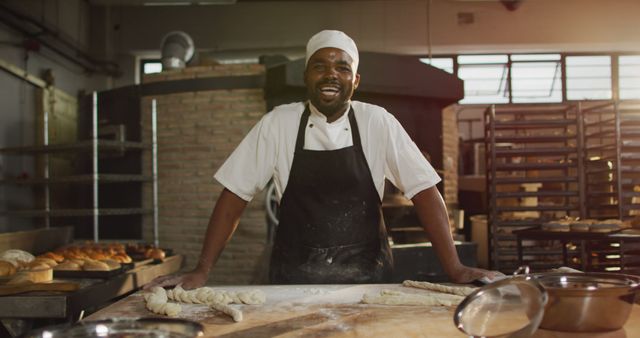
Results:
12 289
87 274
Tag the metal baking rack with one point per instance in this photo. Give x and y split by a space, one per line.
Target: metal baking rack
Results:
95 148
533 174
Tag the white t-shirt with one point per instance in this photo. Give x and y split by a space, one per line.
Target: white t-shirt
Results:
267 151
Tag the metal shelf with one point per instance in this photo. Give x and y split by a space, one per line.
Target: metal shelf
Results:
77 212
93 149
539 193
102 178
602 194
601 147
534 124
521 180
533 138
540 208
82 146
534 166
521 152
601 134
517 223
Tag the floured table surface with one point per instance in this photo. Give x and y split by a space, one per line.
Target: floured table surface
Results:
326 311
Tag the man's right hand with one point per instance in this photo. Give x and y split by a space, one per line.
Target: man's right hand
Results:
190 280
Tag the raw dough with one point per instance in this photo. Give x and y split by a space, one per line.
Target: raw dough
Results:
226 309
206 295
157 303
454 290
391 297
218 299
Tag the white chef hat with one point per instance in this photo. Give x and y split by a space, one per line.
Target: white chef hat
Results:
333 39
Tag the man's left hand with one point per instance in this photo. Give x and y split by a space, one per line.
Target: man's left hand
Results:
464 274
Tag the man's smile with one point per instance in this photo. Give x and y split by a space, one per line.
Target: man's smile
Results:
329 91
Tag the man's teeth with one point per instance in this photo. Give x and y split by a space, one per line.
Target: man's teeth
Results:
329 90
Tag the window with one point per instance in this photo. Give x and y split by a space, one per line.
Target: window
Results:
485 78
445 64
536 78
588 77
152 67
148 66
629 77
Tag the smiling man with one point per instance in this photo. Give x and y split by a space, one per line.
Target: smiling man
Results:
329 158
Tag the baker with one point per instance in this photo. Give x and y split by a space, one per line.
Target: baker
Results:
329 157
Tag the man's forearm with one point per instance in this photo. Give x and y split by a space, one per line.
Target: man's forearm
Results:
222 223
432 213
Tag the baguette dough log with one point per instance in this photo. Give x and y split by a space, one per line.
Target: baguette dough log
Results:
454 290
390 297
226 309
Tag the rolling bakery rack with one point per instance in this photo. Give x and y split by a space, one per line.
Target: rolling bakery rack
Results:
95 149
534 172
547 162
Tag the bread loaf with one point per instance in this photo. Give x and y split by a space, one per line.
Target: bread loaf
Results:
92 265
17 257
155 253
35 265
56 257
7 269
68 266
43 260
112 264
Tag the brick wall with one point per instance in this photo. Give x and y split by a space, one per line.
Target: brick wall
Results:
450 143
196 133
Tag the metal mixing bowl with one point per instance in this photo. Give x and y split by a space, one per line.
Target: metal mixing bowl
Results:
124 327
588 302
512 307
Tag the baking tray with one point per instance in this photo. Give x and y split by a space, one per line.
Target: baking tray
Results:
139 260
87 274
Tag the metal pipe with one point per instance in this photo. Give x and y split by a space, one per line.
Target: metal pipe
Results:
582 155
47 197
154 164
618 160
94 154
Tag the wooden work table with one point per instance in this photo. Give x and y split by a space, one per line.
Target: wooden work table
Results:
329 311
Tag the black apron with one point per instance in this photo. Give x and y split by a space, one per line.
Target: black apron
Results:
331 228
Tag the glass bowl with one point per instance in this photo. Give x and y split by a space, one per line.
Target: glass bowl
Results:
512 307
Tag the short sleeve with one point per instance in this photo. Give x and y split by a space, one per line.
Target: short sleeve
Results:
250 166
405 165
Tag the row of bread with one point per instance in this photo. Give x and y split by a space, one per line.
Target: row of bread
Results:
108 251
13 261
586 225
88 256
